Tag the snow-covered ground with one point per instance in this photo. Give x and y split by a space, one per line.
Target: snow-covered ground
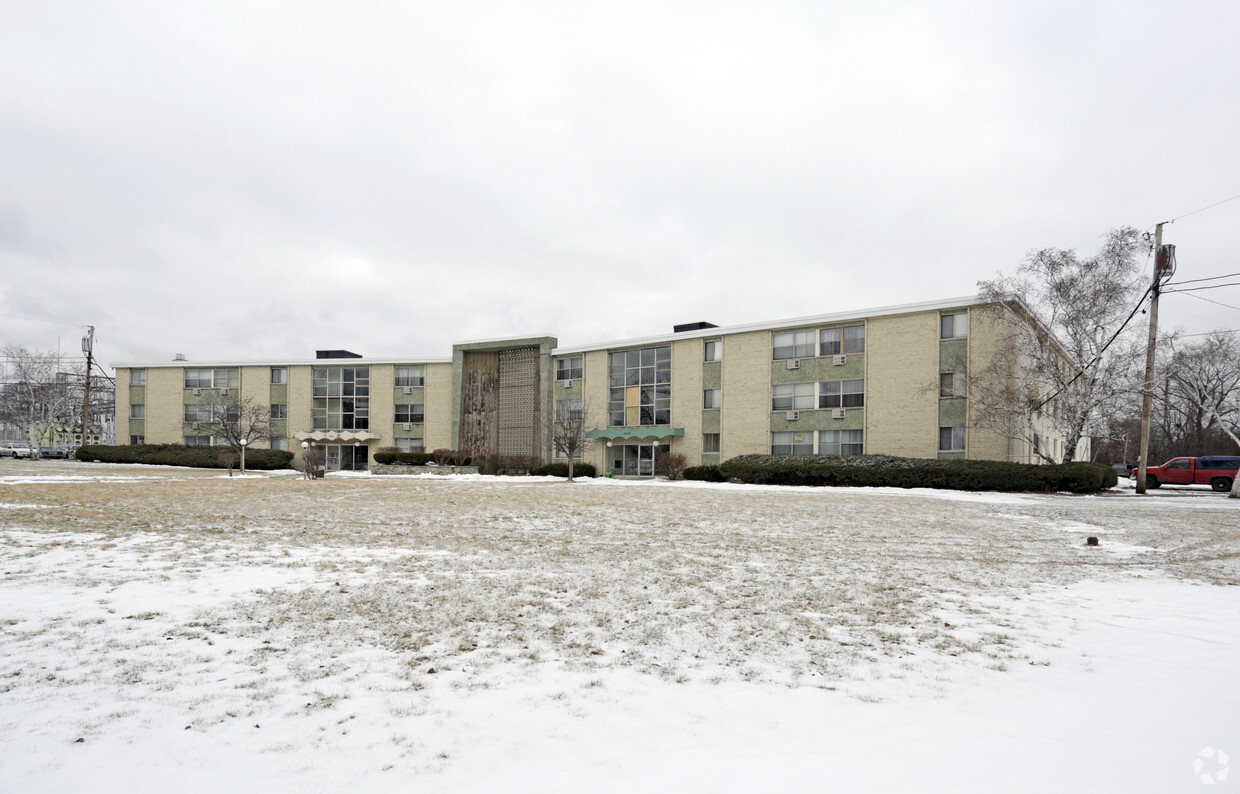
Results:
175 630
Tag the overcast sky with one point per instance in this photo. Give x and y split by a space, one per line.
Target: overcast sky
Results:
258 180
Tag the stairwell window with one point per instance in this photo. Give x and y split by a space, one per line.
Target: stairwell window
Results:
951 439
954 326
712 398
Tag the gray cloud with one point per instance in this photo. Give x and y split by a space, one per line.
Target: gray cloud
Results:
260 179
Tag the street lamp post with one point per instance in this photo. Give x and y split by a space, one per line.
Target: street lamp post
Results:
243 443
305 460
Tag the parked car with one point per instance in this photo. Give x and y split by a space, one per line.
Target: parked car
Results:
1124 469
15 449
1216 471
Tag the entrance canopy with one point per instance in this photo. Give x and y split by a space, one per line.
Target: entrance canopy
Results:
336 436
636 433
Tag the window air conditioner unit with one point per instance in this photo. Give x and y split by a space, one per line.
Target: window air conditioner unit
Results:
794 363
407 426
839 360
838 413
408 390
792 416
193 426
224 392
568 384
197 392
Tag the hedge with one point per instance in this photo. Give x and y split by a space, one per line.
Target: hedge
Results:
181 455
885 470
704 473
406 458
561 470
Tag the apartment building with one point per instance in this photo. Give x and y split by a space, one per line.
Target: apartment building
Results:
880 381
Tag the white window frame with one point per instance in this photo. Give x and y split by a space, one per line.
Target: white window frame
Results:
710 443
279 375
958 439
788 439
793 344
137 411
409 376
712 350
841 442
137 377
568 368
954 325
794 396
841 393
712 399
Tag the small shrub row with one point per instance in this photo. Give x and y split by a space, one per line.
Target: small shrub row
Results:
561 470
885 470
181 455
406 458
704 473
451 457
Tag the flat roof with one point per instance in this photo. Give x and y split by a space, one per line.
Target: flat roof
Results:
769 325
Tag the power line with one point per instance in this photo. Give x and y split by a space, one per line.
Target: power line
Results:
1208 286
1216 303
41 320
1203 209
1195 280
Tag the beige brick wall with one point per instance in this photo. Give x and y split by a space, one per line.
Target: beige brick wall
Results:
382 405
300 387
122 405
746 414
595 393
437 431
687 398
902 372
165 401
256 389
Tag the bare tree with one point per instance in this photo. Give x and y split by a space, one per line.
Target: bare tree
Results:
567 428
39 389
1064 352
232 419
1198 396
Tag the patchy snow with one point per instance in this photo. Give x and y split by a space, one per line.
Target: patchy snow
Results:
467 633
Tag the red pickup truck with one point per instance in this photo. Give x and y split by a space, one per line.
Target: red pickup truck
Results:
1215 471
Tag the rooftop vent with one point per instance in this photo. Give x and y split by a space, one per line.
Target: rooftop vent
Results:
335 354
698 326
179 357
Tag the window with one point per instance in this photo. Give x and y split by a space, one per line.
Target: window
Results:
568 368
792 396
211 414
279 443
711 398
795 344
137 411
713 351
212 378
137 377
410 445
792 443
279 411
841 394
839 442
1181 463
951 384
412 413
341 398
568 410
279 375
135 440
410 376
198 441
641 390
849 339
710 442
951 439
954 326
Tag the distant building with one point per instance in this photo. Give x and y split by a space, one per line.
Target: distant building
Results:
836 384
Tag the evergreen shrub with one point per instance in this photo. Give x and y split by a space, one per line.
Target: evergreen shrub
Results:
181 455
561 470
889 471
704 473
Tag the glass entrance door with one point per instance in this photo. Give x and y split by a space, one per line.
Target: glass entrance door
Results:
347 457
634 460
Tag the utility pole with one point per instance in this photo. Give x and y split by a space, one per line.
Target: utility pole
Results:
88 347
1164 266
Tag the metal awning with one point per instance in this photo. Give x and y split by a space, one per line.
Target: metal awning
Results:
336 436
636 433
